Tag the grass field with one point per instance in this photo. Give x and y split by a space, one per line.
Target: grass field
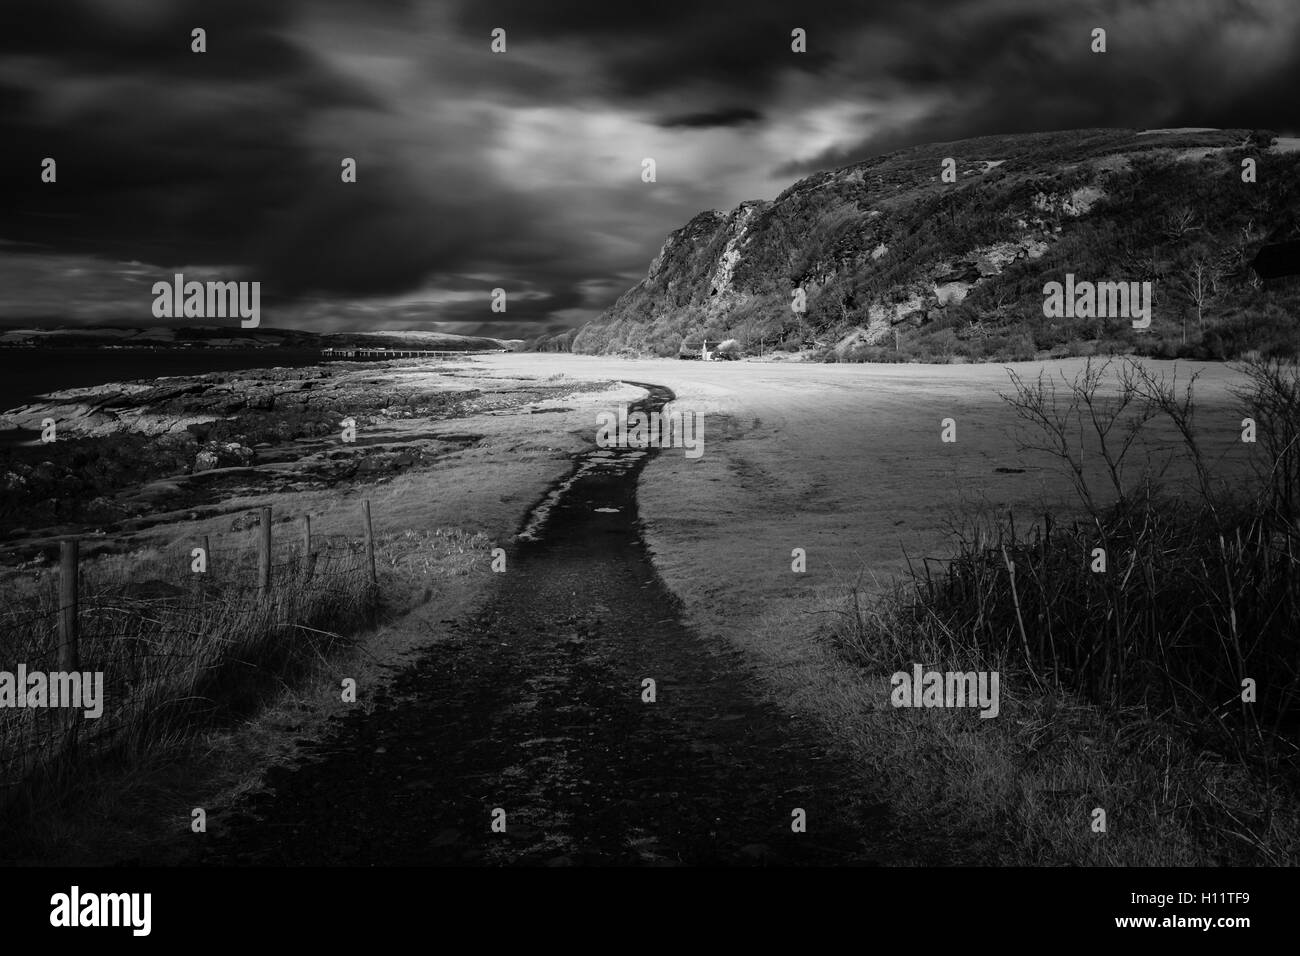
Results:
848 465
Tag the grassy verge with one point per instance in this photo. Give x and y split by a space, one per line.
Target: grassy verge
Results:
186 655
1147 650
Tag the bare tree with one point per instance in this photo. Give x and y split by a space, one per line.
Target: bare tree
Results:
1247 238
1090 410
1179 222
1200 284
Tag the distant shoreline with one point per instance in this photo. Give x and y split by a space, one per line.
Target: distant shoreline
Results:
28 373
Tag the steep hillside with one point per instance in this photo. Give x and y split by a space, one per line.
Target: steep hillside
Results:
896 264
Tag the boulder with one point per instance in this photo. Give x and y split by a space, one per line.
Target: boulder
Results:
222 455
205 461
952 293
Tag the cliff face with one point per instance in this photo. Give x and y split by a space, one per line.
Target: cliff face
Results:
696 266
894 262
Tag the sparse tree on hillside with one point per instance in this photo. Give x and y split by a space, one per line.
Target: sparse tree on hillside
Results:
1178 222
1247 242
1200 283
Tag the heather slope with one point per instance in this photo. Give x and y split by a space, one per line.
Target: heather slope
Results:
897 264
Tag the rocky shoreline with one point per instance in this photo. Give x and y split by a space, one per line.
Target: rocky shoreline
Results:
131 454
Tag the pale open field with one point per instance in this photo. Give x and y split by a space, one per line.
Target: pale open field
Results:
844 461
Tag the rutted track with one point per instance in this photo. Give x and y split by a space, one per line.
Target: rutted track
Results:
536 707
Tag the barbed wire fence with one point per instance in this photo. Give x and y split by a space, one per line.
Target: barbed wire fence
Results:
186 633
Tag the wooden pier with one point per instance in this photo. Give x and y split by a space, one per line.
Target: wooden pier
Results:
384 353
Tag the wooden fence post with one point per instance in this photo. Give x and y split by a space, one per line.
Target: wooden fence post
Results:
308 559
68 561
370 541
264 555
69 657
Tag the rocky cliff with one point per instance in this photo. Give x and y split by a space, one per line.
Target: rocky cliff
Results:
893 260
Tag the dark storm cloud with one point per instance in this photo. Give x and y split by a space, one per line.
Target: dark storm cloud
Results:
170 157
995 66
1011 68
730 116
162 154
478 170
644 49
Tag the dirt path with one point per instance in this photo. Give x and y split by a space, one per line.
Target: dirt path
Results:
536 708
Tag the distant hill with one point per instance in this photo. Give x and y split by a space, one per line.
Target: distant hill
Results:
216 337
897 264
444 341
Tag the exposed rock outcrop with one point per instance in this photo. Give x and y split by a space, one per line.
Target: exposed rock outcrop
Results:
889 242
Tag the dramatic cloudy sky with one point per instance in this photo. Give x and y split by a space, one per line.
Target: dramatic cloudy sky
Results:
523 170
